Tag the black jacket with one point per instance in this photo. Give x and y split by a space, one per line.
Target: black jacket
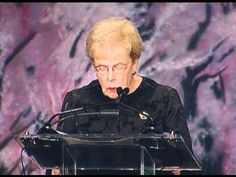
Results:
161 102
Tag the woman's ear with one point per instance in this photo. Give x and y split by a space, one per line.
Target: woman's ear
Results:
135 66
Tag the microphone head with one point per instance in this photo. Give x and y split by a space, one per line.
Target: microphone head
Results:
125 91
119 90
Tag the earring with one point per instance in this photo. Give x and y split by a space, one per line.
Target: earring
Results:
134 73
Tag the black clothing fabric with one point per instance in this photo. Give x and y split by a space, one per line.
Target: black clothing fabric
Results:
161 102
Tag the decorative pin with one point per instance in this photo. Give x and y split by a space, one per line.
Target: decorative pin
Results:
142 116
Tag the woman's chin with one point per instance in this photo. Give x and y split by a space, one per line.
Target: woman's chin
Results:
112 95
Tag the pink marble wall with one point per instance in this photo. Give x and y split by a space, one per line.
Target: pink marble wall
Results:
189 46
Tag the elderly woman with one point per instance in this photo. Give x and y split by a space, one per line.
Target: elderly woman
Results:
114 47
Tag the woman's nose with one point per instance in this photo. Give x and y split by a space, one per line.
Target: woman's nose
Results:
110 74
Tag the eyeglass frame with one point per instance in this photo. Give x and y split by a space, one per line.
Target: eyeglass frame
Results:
106 68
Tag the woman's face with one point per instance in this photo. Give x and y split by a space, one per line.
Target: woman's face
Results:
114 69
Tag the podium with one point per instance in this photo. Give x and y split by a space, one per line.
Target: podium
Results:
110 153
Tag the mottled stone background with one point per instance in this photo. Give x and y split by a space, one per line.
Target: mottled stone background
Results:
189 46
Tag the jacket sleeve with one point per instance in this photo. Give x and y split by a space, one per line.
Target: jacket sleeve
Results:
175 118
67 125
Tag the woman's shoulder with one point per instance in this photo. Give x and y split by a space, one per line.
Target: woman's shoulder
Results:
87 89
148 82
159 91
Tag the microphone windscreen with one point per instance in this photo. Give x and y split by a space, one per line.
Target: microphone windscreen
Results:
126 91
119 90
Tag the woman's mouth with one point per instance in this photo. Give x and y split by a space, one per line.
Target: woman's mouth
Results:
111 89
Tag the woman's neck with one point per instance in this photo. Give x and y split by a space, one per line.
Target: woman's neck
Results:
135 83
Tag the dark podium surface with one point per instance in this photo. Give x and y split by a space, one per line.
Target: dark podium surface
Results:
110 153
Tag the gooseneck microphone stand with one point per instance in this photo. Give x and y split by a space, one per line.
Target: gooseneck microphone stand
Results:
79 112
124 92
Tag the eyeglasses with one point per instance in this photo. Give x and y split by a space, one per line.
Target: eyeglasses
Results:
117 69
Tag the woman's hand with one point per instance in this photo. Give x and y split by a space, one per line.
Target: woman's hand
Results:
175 170
56 171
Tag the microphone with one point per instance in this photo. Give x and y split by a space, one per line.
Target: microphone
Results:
114 112
121 93
124 92
47 126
